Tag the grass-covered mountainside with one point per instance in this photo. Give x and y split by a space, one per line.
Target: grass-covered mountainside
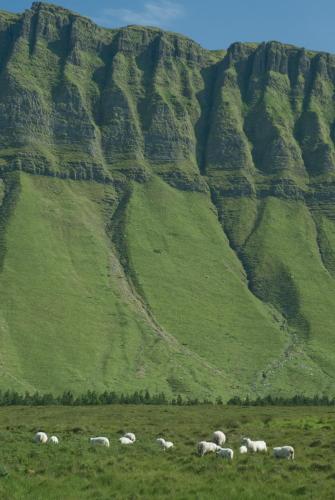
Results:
167 214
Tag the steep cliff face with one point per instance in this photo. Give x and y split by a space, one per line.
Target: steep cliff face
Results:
210 221
87 102
88 98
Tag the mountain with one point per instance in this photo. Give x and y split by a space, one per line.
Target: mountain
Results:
167 215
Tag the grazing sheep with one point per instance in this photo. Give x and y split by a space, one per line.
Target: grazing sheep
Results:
130 436
41 437
126 440
243 449
206 447
53 440
166 445
254 445
225 453
100 441
284 452
219 438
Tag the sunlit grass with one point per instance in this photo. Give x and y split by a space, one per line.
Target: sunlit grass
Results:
75 470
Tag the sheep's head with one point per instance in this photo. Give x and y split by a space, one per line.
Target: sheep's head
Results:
245 441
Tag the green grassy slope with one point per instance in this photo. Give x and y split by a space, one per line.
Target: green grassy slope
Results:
68 316
194 283
57 295
197 289
287 270
182 319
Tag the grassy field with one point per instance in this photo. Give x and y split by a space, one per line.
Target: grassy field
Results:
75 470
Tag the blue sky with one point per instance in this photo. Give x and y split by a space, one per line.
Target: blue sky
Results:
216 24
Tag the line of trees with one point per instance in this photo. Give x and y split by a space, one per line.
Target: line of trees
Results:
297 400
68 398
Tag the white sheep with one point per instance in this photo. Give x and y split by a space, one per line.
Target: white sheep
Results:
126 440
206 447
243 449
41 437
284 452
100 441
225 453
219 438
254 445
53 440
166 445
130 436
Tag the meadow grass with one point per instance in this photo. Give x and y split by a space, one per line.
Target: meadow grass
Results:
75 470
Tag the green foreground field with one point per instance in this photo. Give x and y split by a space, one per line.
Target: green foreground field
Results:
75 470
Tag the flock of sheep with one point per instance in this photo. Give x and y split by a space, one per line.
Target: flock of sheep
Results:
129 438
214 446
247 445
